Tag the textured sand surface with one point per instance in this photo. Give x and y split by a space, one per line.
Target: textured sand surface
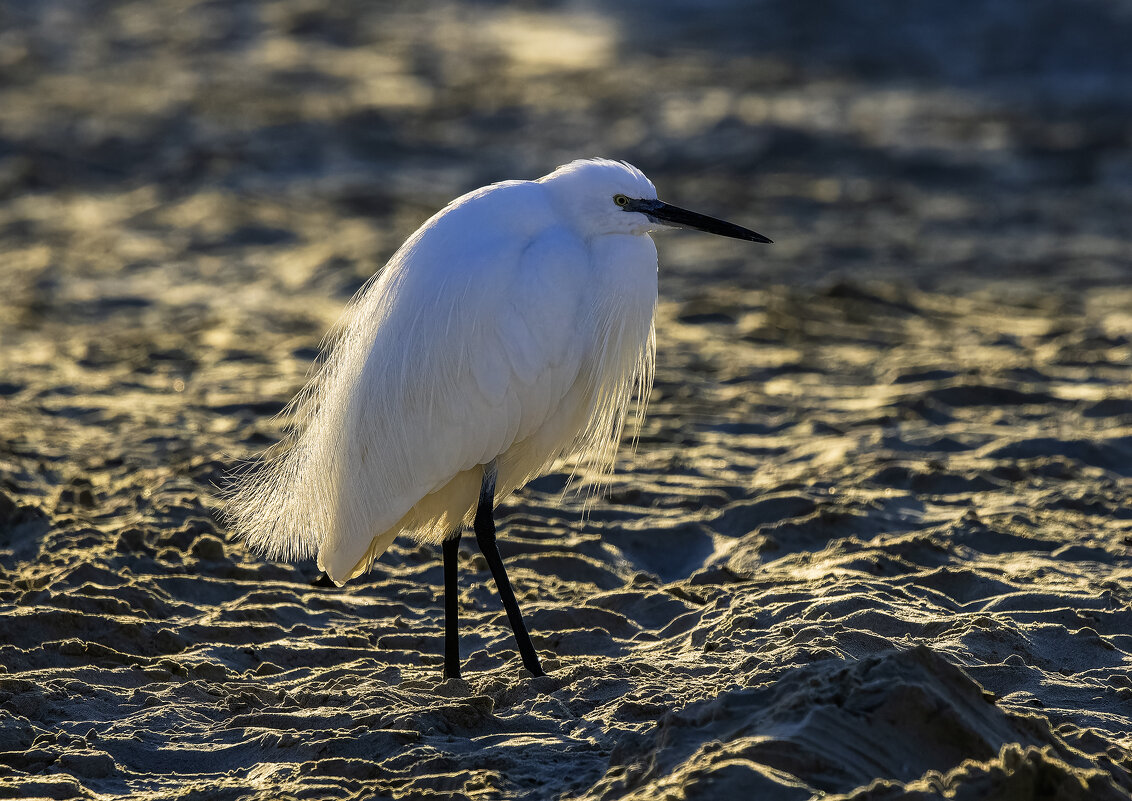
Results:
875 540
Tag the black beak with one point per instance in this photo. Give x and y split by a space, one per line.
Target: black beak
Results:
660 212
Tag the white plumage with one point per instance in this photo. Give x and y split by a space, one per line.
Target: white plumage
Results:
515 325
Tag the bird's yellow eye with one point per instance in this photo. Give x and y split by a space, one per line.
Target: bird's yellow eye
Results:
621 200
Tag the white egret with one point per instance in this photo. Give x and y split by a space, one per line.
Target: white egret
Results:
512 329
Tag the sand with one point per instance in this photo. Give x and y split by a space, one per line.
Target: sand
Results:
874 542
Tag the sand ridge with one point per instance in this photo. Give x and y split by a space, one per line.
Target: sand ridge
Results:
742 608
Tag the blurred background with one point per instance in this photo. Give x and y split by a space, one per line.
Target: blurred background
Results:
175 141
190 191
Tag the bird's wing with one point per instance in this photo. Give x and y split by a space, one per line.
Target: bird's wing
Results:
465 361
485 365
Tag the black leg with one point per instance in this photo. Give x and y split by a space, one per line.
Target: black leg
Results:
485 536
451 607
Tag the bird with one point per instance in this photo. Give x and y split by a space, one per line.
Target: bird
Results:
514 328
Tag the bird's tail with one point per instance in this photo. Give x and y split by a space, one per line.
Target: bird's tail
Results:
282 503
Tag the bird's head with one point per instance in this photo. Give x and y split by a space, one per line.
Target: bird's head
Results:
613 197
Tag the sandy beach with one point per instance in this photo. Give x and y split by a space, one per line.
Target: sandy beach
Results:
874 540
